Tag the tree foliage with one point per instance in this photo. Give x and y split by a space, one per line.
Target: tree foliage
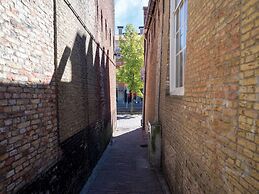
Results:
132 52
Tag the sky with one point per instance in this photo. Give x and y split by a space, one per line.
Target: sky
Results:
129 12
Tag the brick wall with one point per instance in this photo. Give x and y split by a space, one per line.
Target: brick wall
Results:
152 70
57 107
28 122
79 65
247 159
108 10
210 135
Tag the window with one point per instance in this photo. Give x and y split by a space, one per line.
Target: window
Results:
179 14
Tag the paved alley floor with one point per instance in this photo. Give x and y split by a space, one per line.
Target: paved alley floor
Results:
124 167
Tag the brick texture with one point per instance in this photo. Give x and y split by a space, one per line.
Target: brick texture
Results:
209 135
83 68
57 107
28 122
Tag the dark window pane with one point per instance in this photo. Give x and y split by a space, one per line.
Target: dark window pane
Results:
184 56
186 10
177 22
177 42
182 18
182 39
177 69
181 64
176 2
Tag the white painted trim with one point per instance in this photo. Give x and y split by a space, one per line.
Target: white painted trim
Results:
177 6
172 68
172 48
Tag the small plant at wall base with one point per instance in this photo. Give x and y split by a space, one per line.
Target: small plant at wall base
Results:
132 52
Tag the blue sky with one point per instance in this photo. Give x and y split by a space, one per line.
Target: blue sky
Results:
129 12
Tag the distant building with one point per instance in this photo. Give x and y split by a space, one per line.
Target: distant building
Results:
120 30
141 30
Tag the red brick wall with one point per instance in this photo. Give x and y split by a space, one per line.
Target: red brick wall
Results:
83 72
210 142
55 87
152 70
28 121
108 7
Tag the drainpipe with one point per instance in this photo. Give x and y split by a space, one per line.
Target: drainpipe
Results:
145 80
160 79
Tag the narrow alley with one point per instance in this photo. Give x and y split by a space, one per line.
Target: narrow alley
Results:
129 97
124 166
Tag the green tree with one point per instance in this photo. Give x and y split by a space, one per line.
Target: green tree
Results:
132 52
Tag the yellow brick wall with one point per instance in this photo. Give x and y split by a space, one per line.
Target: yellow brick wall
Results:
247 156
210 135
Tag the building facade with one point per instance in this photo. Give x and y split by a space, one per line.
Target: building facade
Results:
57 93
202 87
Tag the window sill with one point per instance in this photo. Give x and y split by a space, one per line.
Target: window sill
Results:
178 97
177 91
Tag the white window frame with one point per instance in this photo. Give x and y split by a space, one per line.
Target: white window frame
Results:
178 91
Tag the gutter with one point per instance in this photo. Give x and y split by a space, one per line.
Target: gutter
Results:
145 80
150 12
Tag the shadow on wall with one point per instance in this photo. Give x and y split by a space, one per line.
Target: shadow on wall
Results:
34 125
83 106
